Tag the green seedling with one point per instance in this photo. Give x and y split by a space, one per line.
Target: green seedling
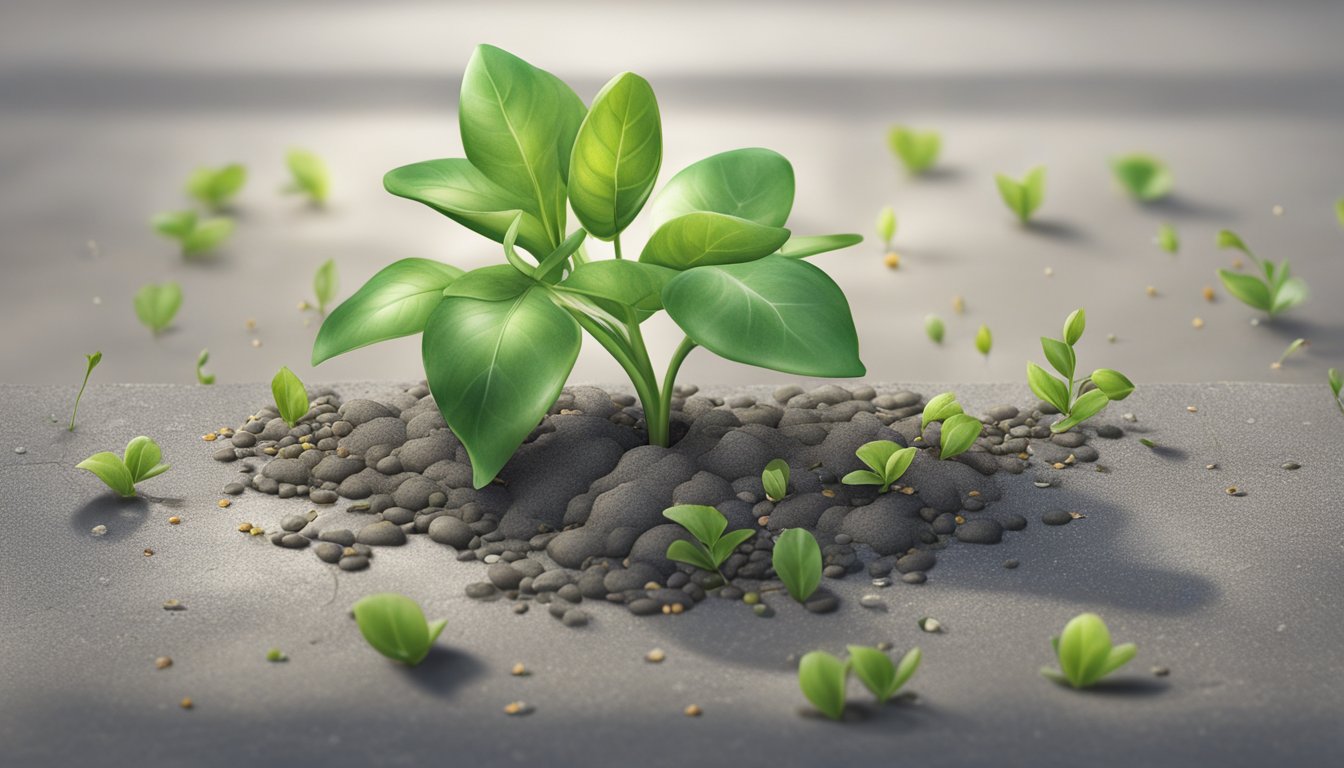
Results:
1168 240
959 433
1068 394
141 462
934 328
1276 292
1336 384
395 626
1025 196
886 226
878 674
775 479
1339 212
201 376
500 341
1293 347
797 562
918 150
291 399
822 677
276 655
325 285
216 186
309 176
156 305
90 362
711 546
984 340
939 408
1145 442
1144 177
1085 652
886 462
196 236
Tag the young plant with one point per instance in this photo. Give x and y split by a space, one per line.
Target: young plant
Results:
1085 652
1144 177
775 479
959 433
1339 211
1336 385
156 305
939 408
934 328
886 226
395 626
1067 394
1025 196
1168 240
216 186
822 678
500 341
1293 347
325 285
918 150
201 376
196 236
1276 292
886 462
984 340
291 399
90 362
797 562
309 176
711 546
141 462
878 674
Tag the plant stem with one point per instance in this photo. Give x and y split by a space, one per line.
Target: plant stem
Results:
87 372
617 243
670 379
639 371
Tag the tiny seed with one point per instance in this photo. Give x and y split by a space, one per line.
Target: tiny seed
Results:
1210 466
257 531
1208 293
225 503
250 324
960 519
1160 671
163 662
1192 409
1198 322
186 703
1070 460
652 585
1110 337
1057 465
256 343
930 624
693 711
209 437
958 304
828 493
751 598
174 520
1151 291
973 494
244 527
1238 264
517 708
149 552
763 520
907 490
1277 210
1049 271
519 670
655 656
892 260
677 608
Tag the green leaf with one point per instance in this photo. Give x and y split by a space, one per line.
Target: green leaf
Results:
1087 405
702 238
811 245
1047 387
797 562
176 225
201 376
906 668
90 362
1119 656
876 454
939 408
1074 325
726 546
495 367
1290 293
616 156
886 225
917 150
395 626
1339 211
958 435
291 400
706 524
552 267
214 186
207 236
1023 197
862 477
142 459
875 670
498 282
1336 381
1168 239
156 305
324 285
1060 356
1227 239
112 471
984 340
897 463
310 175
822 677
693 554
1144 177
777 313
621 283
775 479
1113 383
1251 290
934 328
752 184
395 302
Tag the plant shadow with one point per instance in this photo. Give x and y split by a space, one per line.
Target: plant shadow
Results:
1129 687
1178 206
938 174
121 516
444 671
1055 230
1323 340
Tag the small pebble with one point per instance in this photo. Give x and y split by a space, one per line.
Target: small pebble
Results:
1198 322
519 670
929 624
1290 465
655 656
1160 671
871 601
520 608
99 530
693 711
752 598
1010 564
517 708
882 582
20 450
163 662
173 605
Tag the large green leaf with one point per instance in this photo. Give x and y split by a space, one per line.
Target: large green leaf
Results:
616 156
395 302
495 367
1250 289
615 284
1047 387
777 313
497 282
1061 356
811 245
703 238
958 435
705 523
753 184
458 190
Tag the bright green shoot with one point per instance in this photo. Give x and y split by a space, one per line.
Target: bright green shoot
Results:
984 340
141 462
886 226
201 376
1339 211
934 328
1085 652
325 285
156 305
959 433
90 362
1144 177
711 546
1296 345
886 462
1168 240
1336 385
1067 394
395 626
822 678
918 150
939 408
309 176
878 674
797 562
291 399
1277 291
775 479
1025 196
215 187
196 236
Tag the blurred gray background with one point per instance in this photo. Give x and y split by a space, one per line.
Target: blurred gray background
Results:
106 107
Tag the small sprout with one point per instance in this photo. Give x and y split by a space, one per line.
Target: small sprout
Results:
310 176
822 678
775 479
1293 347
886 226
291 400
1339 211
1276 292
1144 177
797 562
959 433
886 462
984 340
324 285
395 626
940 408
90 362
1336 384
156 305
1168 240
196 236
711 546
276 655
1025 196
140 462
1149 443
918 150
1085 652
877 672
201 376
215 186
1067 394
934 328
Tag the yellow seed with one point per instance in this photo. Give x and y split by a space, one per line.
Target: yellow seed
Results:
303 306
973 494
958 305
1208 293
1150 290
667 610
257 531
892 260
1232 490
1277 210
174 520
1198 322
828 493
269 451
1238 264
186 703
250 324
149 552
163 662
1071 459
1024 456
518 670
515 708
763 520
225 503
677 608
1058 465
1192 409
960 519
1049 271
655 656
907 490
256 343
348 552
224 431
209 437
693 711
244 527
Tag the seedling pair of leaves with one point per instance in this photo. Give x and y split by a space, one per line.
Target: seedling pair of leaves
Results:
824 677
775 479
1144 177
917 150
1067 394
959 431
1085 652
141 461
309 176
886 462
797 562
711 546
1277 291
156 305
291 399
395 626
1025 196
215 187
197 236
325 285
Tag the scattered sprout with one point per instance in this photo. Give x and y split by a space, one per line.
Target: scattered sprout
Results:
195 235
1168 240
1144 177
215 186
1067 394
310 176
1025 196
1276 292
878 674
141 462
1147 443
886 226
958 435
395 626
918 150
156 305
797 562
1085 652
1339 211
934 328
201 376
886 462
939 408
984 340
1336 384
822 678
711 546
324 285
276 655
90 362
291 400
775 479
1293 347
